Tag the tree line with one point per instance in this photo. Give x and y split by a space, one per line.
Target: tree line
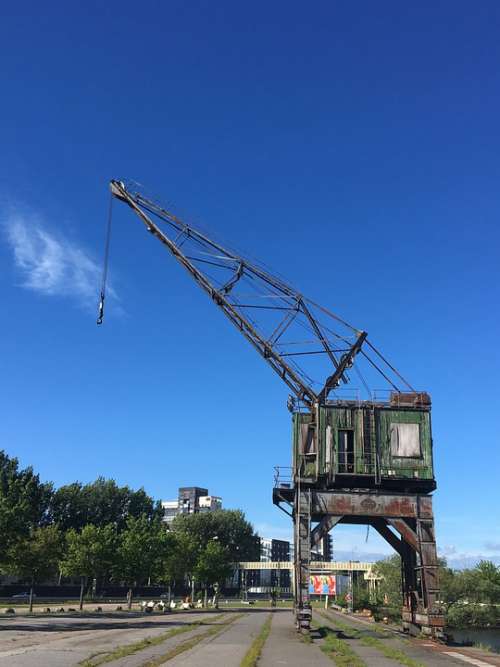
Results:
469 597
100 532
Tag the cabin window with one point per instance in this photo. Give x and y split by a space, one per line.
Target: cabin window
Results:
307 444
346 450
405 440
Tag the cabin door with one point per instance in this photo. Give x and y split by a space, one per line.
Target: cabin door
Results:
346 450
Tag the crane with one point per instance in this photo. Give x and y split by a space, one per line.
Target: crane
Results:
354 461
286 328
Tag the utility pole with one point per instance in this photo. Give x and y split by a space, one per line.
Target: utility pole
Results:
350 599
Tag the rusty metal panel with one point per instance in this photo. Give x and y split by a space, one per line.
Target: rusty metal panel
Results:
425 507
427 531
428 551
410 399
431 579
363 504
429 619
408 535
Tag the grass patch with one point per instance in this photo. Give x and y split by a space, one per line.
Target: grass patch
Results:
338 650
129 649
390 652
190 643
355 632
253 654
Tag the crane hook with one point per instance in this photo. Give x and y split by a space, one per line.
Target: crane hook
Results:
101 309
105 262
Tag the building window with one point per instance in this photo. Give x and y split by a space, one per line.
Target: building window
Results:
346 450
405 440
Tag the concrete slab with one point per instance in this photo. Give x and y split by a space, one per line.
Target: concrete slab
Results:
228 648
150 653
63 642
285 646
425 653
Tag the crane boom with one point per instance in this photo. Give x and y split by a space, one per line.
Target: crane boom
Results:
283 313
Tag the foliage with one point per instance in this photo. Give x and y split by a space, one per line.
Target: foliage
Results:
100 503
229 527
389 594
91 552
140 548
480 615
213 565
178 558
112 531
484 583
212 542
469 597
24 502
36 556
361 595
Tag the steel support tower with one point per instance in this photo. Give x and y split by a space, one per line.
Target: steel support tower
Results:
405 521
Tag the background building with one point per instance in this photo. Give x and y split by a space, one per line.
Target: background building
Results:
272 550
324 550
190 500
263 581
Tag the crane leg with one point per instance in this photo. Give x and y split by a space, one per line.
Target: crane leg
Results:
302 533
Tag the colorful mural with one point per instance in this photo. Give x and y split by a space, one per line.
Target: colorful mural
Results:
322 584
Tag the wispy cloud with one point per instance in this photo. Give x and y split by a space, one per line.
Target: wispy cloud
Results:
467 559
48 262
275 531
356 555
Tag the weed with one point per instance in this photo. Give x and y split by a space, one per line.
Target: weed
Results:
390 652
253 654
129 649
190 643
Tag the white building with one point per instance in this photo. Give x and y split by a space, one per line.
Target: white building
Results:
209 503
191 500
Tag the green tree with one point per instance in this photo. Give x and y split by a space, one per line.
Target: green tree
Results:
361 595
472 596
229 527
469 597
229 530
36 556
90 553
389 587
24 502
487 578
140 549
177 561
213 566
100 503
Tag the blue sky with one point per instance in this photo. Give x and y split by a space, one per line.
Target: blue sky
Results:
353 148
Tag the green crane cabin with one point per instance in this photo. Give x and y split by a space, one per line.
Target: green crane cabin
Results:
366 444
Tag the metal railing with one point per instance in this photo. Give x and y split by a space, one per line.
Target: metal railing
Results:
283 477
